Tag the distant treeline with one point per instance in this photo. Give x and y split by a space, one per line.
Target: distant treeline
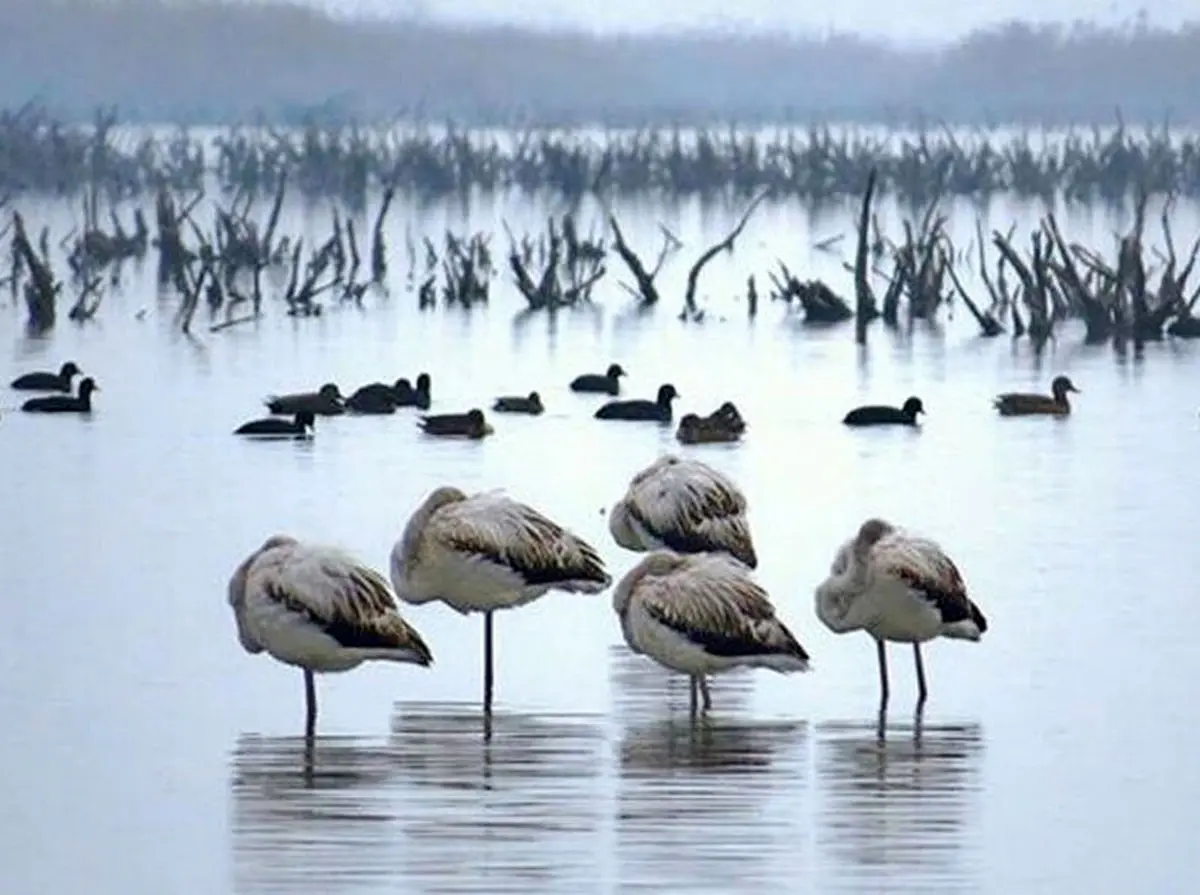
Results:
205 61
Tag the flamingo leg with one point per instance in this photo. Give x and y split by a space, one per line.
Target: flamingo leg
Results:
310 705
881 652
692 696
922 692
487 664
704 693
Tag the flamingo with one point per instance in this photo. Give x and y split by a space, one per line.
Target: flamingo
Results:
900 587
487 551
319 609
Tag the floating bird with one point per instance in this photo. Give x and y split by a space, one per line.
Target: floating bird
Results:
42 381
1021 404
301 426
695 429
683 505
319 609
81 403
882 415
658 410
516 404
326 401
607 384
728 414
702 614
471 424
485 552
898 587
724 424
418 397
377 397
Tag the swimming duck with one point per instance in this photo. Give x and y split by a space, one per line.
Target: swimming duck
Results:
695 429
1022 404
418 397
462 425
327 401
658 410
377 398
516 404
728 415
607 384
42 381
81 403
301 426
882 415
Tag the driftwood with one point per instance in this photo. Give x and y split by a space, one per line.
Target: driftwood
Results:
819 303
644 290
725 245
559 269
42 288
865 308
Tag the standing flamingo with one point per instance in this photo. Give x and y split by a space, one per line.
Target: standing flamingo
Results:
899 587
319 609
485 552
702 614
683 505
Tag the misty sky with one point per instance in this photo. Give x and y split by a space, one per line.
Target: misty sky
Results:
904 20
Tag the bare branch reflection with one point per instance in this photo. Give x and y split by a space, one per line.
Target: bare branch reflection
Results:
898 809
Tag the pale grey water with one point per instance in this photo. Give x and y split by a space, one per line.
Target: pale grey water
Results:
143 751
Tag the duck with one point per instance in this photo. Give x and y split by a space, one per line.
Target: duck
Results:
658 410
42 381
471 424
326 401
596 383
418 397
81 403
883 415
1023 404
301 426
377 397
531 405
695 429
729 415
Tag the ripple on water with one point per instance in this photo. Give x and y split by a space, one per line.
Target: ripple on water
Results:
704 806
515 813
435 806
899 811
311 818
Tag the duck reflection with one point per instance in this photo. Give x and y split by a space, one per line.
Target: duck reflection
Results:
709 806
642 689
898 803
519 812
309 813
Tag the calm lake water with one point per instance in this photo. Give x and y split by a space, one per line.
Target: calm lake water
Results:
143 751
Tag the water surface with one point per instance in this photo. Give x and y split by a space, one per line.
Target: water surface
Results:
143 751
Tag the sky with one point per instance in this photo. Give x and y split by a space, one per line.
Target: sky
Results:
921 21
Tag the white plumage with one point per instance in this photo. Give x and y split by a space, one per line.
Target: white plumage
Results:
319 609
683 505
485 552
702 614
900 587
